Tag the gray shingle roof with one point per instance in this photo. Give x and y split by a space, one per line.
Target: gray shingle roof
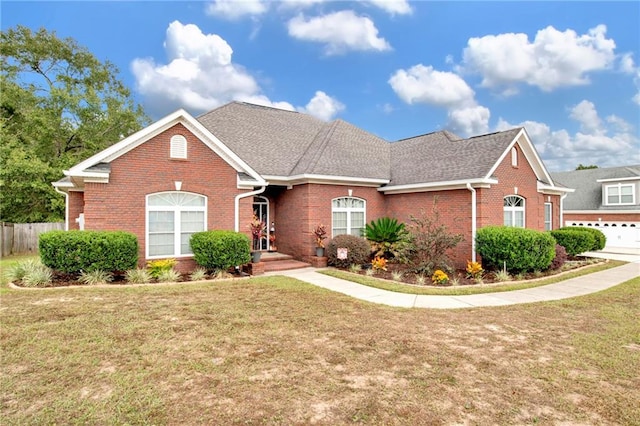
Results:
286 143
588 191
442 156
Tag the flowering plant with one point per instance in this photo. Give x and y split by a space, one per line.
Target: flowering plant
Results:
379 263
474 270
439 277
320 233
258 228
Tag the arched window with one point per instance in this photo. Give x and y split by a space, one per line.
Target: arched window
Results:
514 211
514 157
348 214
172 217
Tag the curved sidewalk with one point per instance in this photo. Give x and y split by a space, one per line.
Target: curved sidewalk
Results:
565 289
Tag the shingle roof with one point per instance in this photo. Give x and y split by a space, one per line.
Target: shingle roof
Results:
285 143
588 191
442 156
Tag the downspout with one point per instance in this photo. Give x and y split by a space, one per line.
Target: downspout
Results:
237 204
66 207
473 221
562 197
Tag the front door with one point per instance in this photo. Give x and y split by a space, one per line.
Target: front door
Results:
261 210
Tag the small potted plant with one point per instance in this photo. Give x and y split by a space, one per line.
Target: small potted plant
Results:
320 233
258 229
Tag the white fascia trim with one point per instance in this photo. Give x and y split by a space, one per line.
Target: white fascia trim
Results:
438 186
62 184
619 179
553 190
97 175
324 179
529 151
634 211
141 136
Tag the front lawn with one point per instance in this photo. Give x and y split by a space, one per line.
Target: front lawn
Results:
274 350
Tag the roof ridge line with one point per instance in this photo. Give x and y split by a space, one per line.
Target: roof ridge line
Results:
323 144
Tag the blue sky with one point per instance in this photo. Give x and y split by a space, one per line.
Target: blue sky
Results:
567 71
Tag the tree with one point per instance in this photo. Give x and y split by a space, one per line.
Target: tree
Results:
59 105
582 167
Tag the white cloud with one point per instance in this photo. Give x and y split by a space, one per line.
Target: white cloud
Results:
627 64
323 106
603 146
585 113
420 84
199 74
340 32
234 9
399 7
553 59
469 120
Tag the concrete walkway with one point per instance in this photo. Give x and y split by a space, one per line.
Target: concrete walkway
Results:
569 288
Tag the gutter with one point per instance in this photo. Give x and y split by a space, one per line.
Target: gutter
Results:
474 213
237 204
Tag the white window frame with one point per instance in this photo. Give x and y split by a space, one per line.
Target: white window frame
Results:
177 210
512 210
514 157
548 216
178 147
619 187
349 211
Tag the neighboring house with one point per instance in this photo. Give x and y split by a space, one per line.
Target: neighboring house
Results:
182 175
607 199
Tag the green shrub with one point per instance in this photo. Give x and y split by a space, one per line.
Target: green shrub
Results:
575 242
77 251
358 250
220 249
517 249
600 238
18 271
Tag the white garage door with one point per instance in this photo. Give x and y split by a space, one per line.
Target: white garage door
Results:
619 234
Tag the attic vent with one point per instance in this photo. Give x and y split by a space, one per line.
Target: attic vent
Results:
178 147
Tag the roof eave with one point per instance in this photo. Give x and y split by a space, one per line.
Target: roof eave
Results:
553 190
324 180
618 179
438 186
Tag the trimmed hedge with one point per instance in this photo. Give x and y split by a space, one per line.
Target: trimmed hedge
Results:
574 241
520 249
86 251
220 250
358 251
600 238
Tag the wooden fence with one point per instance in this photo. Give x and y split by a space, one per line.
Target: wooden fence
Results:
22 238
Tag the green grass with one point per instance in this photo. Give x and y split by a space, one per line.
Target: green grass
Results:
275 351
463 290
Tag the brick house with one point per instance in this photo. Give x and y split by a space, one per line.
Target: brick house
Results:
183 174
606 199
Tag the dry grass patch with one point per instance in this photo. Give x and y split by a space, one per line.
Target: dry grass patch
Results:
277 351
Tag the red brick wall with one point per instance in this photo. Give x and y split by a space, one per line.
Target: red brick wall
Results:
453 207
303 207
490 200
120 204
605 217
75 206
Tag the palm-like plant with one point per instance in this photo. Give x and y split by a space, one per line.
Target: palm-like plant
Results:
386 236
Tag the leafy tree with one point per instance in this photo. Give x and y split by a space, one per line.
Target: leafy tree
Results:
59 105
583 167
